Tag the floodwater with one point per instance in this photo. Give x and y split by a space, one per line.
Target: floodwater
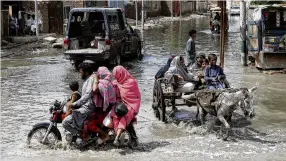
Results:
31 82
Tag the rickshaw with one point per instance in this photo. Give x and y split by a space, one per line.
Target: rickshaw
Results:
215 24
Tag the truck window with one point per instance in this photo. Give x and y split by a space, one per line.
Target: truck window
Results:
116 21
121 20
113 22
96 20
74 28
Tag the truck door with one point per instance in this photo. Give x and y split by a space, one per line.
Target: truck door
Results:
253 42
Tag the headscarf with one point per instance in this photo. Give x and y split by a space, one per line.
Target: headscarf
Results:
107 92
104 73
128 87
177 68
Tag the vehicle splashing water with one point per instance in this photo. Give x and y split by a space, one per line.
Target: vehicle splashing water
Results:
30 85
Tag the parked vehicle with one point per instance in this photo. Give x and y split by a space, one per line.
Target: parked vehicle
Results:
234 10
214 22
100 34
267 37
49 134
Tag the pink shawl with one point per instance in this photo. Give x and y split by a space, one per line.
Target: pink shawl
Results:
106 89
128 87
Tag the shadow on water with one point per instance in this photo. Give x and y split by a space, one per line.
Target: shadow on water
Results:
145 147
241 129
250 134
142 147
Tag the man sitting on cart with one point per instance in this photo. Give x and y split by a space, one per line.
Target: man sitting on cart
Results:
197 66
214 75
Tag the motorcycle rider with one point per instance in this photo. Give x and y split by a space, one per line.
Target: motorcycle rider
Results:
216 20
217 17
74 122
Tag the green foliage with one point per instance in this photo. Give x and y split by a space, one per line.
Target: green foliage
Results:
258 2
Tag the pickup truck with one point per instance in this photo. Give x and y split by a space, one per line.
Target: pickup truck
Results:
100 35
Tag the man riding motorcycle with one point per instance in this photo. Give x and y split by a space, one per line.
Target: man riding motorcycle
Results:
74 122
216 21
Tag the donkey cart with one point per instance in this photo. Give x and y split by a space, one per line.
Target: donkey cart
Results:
164 96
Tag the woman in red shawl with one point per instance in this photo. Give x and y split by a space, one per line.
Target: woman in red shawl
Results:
130 96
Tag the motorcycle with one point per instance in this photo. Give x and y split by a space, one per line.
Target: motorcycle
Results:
215 27
49 134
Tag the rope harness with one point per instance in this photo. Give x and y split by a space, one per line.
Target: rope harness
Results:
214 97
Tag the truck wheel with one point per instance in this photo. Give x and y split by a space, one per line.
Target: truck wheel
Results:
139 54
118 59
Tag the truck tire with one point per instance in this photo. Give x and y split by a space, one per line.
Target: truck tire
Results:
118 58
139 54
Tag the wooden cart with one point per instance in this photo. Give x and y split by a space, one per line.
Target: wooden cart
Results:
164 96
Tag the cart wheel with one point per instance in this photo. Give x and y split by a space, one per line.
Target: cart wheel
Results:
155 100
161 103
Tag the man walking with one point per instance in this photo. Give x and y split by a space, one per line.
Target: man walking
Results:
190 48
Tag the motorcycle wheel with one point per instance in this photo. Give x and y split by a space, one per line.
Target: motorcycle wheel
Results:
37 134
125 138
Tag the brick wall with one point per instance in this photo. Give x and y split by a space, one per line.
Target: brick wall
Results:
186 6
152 9
202 6
73 4
130 10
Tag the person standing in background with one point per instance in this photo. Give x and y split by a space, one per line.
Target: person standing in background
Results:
21 20
190 48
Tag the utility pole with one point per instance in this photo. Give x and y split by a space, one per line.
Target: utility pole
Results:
136 8
243 52
222 31
142 15
172 8
180 8
36 17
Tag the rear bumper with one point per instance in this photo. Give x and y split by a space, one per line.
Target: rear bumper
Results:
85 54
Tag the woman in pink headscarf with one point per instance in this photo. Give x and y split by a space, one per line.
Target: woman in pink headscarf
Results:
107 95
130 96
104 98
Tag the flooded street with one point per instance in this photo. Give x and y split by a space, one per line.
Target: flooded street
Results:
30 83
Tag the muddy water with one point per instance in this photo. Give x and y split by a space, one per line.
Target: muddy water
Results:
30 83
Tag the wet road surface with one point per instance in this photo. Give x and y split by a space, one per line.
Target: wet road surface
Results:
30 83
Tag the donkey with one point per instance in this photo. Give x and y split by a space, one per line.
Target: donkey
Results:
223 103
